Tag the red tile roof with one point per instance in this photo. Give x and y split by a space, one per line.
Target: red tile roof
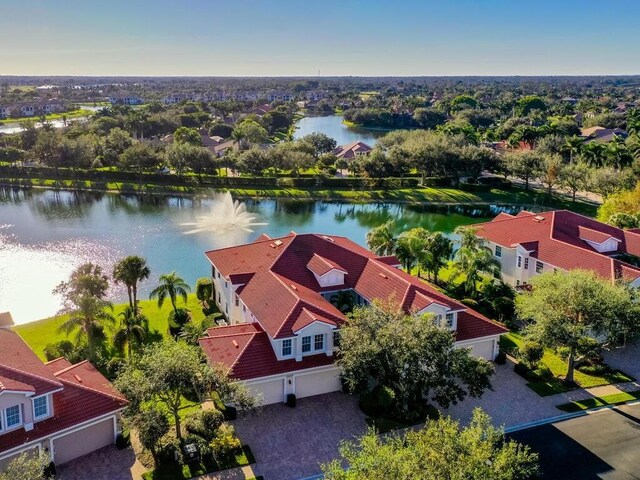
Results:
284 295
252 356
85 393
320 265
559 239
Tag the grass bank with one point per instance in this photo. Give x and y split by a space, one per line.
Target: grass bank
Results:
40 333
421 195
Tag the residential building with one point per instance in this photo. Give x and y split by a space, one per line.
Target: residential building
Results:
127 99
277 294
58 408
529 244
602 135
27 110
5 111
279 96
352 150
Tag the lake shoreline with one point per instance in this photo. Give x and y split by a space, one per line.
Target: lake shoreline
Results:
417 196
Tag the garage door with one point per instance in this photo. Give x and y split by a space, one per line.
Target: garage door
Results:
483 349
271 391
317 383
83 441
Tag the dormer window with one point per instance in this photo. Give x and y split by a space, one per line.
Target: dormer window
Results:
286 347
327 273
40 407
12 416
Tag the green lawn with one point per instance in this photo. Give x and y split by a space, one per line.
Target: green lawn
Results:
614 399
242 457
40 333
557 368
52 116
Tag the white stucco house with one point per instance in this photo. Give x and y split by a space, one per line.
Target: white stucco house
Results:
277 294
528 244
62 409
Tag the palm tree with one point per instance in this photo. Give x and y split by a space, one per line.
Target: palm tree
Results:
437 252
381 239
238 137
573 145
467 237
131 270
171 285
410 248
132 329
472 263
89 318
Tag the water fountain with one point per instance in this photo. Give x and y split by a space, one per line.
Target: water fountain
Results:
228 216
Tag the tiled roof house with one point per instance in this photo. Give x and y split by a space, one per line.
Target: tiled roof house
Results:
56 407
276 294
528 244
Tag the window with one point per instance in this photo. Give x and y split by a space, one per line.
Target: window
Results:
438 320
218 274
526 263
519 261
306 344
336 338
318 342
237 301
219 297
286 347
449 318
539 267
12 415
517 283
40 407
498 251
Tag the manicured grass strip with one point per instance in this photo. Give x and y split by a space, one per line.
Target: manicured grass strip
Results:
614 399
242 457
52 116
41 333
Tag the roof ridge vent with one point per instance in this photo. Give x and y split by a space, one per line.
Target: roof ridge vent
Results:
382 275
277 243
538 218
78 378
328 238
235 344
294 287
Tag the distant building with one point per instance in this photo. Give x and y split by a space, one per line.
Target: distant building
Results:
601 134
352 150
126 100
279 96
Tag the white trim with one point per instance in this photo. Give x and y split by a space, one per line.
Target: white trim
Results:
284 374
18 392
60 433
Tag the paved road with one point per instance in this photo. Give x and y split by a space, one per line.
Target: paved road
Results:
602 445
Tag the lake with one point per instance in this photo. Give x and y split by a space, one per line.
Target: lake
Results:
45 234
332 126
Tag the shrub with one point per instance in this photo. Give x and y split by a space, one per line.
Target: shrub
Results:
225 443
285 182
531 353
168 451
204 423
123 440
379 401
177 319
501 358
291 400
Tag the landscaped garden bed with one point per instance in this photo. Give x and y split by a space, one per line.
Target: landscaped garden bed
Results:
239 458
546 380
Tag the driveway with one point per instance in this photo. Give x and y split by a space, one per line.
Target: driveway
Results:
603 444
626 359
510 402
108 463
290 443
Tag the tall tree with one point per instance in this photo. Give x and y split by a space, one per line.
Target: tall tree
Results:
410 355
86 279
565 308
171 285
441 449
129 271
437 252
410 247
89 318
131 330
381 239
473 259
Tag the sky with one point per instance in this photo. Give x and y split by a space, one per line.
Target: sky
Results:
319 37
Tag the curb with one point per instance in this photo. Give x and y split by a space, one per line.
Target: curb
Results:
566 416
